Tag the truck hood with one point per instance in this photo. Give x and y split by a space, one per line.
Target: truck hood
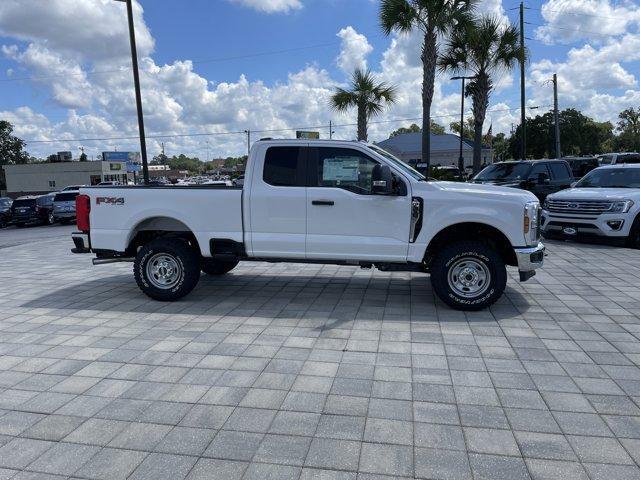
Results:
596 194
485 190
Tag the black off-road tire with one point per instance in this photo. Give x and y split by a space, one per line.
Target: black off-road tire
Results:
185 257
218 267
20 225
633 240
476 251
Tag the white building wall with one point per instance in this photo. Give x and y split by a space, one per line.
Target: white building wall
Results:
51 177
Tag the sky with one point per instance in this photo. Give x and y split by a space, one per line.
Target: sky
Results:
212 69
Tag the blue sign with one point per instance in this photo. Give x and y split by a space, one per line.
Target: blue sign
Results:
132 159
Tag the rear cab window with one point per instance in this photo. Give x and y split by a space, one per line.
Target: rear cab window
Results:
285 166
28 202
66 197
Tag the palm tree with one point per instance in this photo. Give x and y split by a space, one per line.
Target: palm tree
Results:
434 18
365 94
484 49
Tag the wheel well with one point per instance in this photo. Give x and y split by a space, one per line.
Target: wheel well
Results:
160 227
472 231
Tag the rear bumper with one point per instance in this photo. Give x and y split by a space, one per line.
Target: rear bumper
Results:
68 215
529 260
81 242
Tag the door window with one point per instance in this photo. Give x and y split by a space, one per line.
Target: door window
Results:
559 171
285 166
344 168
537 169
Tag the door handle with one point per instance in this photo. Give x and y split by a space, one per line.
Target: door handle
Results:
327 203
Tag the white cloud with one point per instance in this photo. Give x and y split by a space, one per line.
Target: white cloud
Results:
95 29
592 20
353 51
271 6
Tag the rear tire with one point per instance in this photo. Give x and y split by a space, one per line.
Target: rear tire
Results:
167 269
218 267
468 275
19 225
633 240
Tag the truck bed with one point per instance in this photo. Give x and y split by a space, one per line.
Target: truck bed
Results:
209 211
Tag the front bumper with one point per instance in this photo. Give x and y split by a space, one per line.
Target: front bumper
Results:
571 226
82 242
529 259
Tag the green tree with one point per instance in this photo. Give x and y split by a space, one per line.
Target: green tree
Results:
366 95
160 159
580 135
628 138
182 162
11 147
83 157
468 128
500 147
434 19
436 129
485 48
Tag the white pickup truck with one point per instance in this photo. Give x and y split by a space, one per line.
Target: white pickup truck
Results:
334 202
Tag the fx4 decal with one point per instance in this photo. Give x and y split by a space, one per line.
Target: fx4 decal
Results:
110 200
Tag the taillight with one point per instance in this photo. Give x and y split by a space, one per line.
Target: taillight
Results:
83 208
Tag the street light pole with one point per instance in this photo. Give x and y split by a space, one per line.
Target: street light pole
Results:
136 81
461 157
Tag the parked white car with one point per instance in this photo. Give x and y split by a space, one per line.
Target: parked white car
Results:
604 203
335 202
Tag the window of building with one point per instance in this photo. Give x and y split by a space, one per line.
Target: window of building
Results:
52 183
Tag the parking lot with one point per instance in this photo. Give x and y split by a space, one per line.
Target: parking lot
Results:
292 371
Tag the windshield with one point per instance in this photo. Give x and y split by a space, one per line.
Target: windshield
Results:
606 159
611 178
397 162
505 171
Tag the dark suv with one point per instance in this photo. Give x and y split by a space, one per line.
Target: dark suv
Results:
580 166
5 211
33 209
541 177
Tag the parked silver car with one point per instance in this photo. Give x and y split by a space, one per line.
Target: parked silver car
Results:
64 206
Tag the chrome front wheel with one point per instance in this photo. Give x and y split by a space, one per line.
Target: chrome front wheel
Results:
469 277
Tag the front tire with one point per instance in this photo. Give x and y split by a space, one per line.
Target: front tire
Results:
51 219
633 240
167 269
217 267
468 275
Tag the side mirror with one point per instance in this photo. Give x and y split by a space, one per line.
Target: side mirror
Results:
543 178
381 180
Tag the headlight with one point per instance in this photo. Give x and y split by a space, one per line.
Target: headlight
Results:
621 207
531 227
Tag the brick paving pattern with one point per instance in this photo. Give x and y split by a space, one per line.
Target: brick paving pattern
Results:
318 372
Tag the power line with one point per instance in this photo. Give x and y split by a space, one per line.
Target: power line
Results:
194 62
243 132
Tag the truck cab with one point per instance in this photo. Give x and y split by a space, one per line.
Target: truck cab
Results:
348 203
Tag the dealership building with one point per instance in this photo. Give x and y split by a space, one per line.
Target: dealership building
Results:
39 178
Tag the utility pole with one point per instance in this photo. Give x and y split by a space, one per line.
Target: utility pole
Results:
136 81
556 115
523 119
461 156
330 130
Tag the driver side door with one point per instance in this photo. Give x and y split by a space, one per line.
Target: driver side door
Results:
345 219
